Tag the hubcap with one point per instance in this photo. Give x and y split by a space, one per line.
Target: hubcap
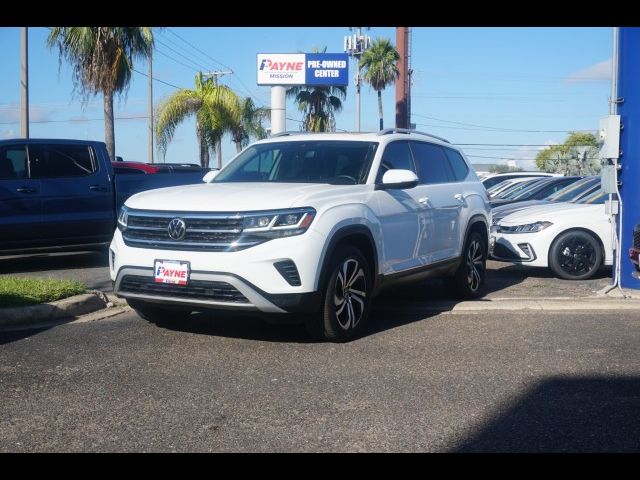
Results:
475 265
577 256
350 294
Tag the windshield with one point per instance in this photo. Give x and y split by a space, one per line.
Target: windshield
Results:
323 161
596 197
573 190
520 188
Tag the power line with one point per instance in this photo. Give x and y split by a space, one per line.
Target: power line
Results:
198 66
485 129
247 90
500 158
73 120
157 79
190 67
502 129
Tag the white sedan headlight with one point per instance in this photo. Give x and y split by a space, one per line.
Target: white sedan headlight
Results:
526 228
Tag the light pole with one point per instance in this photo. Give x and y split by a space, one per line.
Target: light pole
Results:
355 45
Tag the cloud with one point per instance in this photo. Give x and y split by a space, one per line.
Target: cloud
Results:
600 72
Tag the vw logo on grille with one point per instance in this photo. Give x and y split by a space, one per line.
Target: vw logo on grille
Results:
177 229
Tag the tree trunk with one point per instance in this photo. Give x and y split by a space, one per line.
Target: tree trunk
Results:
109 136
380 108
202 145
238 147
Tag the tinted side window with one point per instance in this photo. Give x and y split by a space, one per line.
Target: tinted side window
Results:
396 156
13 162
433 165
458 165
60 161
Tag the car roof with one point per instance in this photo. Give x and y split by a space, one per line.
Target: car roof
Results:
385 136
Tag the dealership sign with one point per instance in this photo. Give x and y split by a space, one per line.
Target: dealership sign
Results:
303 69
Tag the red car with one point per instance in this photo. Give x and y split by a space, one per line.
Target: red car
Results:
634 252
147 168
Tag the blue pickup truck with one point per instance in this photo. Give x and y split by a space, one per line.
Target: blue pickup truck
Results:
64 195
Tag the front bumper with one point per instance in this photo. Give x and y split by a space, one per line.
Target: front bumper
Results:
242 280
527 248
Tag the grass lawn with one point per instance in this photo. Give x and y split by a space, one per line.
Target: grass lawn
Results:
18 291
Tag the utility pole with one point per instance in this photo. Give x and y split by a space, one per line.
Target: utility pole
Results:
24 83
150 153
215 74
355 45
403 82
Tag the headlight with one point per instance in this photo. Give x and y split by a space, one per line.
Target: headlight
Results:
526 228
278 223
123 217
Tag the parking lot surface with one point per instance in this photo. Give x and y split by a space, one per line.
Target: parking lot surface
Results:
491 382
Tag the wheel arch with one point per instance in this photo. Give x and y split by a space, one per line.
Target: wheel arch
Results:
477 223
358 236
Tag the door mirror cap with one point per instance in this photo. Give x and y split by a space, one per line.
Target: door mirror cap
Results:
398 178
209 176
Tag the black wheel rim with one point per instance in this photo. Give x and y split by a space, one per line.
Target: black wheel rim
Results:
475 265
350 294
576 255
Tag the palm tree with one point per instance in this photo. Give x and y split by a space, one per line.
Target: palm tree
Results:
213 106
319 104
380 64
102 60
247 123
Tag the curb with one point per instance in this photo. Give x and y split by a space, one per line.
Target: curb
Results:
543 304
58 310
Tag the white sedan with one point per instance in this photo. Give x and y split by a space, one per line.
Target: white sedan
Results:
573 239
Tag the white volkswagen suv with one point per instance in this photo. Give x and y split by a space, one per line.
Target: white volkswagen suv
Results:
311 224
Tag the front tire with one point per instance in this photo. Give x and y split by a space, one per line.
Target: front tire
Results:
158 313
346 298
575 255
469 280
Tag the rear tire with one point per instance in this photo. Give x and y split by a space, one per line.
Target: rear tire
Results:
469 280
346 298
158 313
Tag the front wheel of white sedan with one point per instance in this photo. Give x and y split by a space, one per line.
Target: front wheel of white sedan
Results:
575 255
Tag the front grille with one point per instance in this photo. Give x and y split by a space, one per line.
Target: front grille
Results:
636 236
202 232
195 289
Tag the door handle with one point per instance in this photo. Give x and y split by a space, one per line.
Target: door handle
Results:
26 190
98 188
424 201
459 197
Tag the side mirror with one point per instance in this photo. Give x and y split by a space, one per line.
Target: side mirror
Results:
398 179
209 176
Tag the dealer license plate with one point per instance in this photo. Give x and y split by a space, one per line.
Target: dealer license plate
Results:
171 271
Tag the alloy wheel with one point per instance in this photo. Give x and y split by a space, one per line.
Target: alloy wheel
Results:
475 265
350 294
576 255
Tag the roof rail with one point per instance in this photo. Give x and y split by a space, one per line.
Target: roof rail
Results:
284 134
388 131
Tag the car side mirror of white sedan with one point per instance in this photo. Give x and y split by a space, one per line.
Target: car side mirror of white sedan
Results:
209 176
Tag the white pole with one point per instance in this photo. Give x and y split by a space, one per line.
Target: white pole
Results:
24 84
150 108
278 109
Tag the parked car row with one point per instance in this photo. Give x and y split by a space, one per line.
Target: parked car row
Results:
558 222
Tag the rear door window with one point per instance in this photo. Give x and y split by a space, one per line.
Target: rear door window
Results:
458 165
52 160
433 165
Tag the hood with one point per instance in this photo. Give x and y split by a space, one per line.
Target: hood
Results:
233 197
551 212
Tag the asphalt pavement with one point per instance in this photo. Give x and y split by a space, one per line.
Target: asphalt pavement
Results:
417 382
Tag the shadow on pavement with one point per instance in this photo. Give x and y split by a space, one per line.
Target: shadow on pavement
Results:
564 414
